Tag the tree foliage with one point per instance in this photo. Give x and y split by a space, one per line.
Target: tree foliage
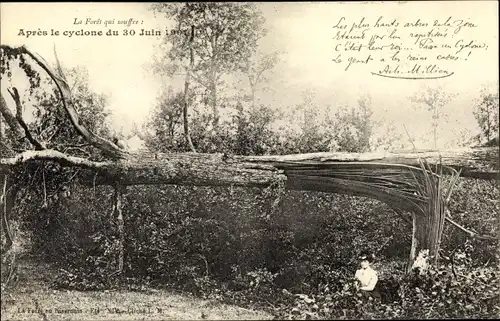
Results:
225 36
486 113
354 127
256 70
434 100
165 123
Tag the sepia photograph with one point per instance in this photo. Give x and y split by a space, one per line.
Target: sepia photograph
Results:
249 160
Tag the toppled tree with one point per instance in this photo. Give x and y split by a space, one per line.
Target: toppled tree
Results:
401 180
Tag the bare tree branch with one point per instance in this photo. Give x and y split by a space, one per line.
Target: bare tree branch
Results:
469 232
50 155
409 137
19 116
9 118
400 214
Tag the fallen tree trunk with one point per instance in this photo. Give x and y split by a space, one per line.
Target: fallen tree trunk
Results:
148 168
218 169
353 174
482 162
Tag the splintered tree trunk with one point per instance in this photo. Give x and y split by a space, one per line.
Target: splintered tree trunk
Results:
425 241
428 224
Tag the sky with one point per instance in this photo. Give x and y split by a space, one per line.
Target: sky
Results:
301 32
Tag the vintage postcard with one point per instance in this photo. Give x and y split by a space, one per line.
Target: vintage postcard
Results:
249 160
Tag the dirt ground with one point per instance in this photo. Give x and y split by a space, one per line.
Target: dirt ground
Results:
32 299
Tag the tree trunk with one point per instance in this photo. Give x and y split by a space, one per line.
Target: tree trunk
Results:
253 98
212 83
488 125
8 199
428 222
426 237
435 137
414 243
3 208
186 93
2 130
218 169
118 214
213 101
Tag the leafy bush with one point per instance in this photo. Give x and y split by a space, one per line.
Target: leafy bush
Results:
82 242
231 243
474 204
458 291
453 290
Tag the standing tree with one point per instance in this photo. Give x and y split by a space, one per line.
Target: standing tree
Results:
486 113
387 137
253 130
352 128
434 100
165 123
255 71
225 37
305 130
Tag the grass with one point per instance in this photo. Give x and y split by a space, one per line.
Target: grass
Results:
33 299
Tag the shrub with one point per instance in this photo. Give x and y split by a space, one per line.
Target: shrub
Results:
451 291
231 243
